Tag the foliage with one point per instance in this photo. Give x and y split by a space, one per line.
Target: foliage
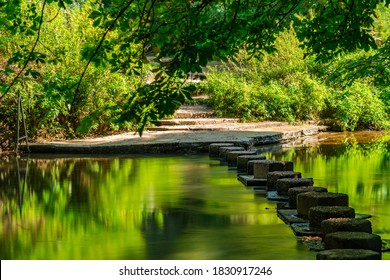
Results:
339 26
48 96
361 62
275 86
359 107
182 36
352 89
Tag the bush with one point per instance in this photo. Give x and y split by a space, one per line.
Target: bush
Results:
285 86
358 107
48 98
273 87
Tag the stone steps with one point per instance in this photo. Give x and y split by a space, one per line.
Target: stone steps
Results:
195 117
197 121
211 124
194 111
200 117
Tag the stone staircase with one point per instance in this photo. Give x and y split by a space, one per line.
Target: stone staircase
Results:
200 117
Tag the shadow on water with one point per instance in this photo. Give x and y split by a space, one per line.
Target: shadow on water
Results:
172 207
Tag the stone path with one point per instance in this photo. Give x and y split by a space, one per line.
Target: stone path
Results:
192 129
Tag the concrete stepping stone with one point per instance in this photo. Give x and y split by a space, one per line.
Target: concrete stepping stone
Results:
304 229
259 190
289 216
293 193
251 164
310 199
319 213
274 196
283 185
250 181
214 148
233 155
353 240
262 168
223 151
348 254
242 162
272 177
345 224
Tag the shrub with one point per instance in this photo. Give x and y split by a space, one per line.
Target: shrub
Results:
358 107
285 86
48 98
275 86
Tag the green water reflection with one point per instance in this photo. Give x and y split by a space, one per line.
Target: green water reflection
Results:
361 170
172 207
137 208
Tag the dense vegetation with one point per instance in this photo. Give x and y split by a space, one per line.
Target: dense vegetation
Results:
96 66
286 85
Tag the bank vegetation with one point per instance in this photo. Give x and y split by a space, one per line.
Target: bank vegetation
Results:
88 67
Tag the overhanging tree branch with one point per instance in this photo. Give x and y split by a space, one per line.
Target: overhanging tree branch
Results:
108 29
13 82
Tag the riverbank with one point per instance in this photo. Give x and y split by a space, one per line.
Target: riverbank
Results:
181 141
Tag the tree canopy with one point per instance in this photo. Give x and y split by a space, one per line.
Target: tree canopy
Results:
175 37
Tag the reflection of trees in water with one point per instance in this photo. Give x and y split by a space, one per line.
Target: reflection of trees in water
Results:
13 182
78 193
76 181
71 183
361 170
163 228
60 195
69 196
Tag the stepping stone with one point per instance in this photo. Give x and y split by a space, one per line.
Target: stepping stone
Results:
233 155
319 213
310 199
214 148
261 168
260 190
250 181
345 224
224 150
353 240
289 216
242 162
304 229
272 177
348 254
283 185
273 196
251 164
293 193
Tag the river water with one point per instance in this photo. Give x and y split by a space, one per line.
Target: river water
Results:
176 207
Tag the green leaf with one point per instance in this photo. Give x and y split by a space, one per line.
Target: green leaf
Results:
95 14
33 73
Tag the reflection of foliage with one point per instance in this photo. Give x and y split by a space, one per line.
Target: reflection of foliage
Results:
362 170
62 196
143 208
135 203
